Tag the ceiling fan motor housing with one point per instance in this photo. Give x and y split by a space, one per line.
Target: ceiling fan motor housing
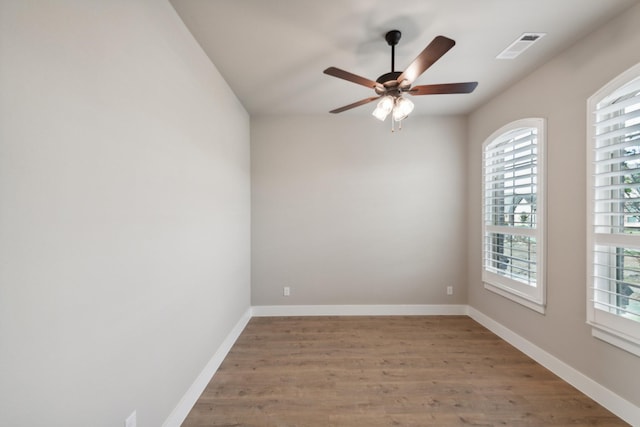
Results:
389 77
389 84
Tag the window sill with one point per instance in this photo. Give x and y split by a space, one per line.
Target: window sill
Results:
615 338
530 304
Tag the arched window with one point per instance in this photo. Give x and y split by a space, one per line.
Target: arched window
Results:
613 220
513 212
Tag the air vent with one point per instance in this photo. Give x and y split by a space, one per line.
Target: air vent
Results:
522 43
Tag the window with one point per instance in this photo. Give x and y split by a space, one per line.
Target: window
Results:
513 213
613 167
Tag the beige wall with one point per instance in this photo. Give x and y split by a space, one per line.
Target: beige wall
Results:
558 91
124 212
345 212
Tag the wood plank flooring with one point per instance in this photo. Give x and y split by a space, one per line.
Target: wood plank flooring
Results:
385 371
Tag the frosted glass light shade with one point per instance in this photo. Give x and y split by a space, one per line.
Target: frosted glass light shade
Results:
402 109
385 105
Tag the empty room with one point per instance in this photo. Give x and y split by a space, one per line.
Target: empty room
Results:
319 213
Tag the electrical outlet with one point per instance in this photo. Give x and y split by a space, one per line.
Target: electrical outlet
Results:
131 420
286 291
449 290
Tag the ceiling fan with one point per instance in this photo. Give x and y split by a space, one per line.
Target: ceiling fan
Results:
391 86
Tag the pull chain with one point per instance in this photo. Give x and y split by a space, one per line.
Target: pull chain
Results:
393 125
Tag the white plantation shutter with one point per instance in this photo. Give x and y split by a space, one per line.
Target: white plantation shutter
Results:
513 212
613 305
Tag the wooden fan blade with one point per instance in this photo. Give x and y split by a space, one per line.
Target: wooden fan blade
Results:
443 89
434 51
354 105
345 75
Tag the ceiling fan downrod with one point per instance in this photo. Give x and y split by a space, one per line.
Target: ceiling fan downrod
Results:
393 37
389 79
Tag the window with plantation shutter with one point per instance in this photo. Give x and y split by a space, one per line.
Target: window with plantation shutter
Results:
513 213
613 292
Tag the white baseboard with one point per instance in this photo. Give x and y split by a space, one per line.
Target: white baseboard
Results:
180 412
605 397
358 310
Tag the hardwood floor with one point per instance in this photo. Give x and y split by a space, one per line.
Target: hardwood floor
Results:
385 371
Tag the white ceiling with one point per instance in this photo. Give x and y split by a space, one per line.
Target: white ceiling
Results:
272 52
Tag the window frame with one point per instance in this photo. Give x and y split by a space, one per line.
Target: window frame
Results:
611 328
529 296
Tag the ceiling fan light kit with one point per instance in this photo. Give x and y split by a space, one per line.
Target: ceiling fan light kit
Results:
391 86
399 107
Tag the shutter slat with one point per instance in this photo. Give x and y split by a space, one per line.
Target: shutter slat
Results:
509 184
618 186
500 145
614 160
612 104
509 169
523 260
618 106
511 231
620 119
499 153
519 186
618 173
628 132
617 308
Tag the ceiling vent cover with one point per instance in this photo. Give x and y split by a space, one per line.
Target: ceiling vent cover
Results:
522 43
